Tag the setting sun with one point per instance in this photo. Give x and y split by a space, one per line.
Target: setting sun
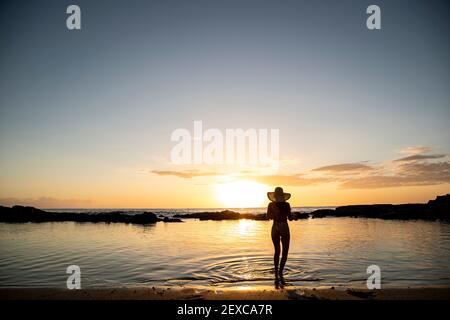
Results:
241 194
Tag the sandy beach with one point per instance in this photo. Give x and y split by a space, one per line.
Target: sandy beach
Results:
240 293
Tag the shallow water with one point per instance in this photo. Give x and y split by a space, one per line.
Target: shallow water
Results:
324 252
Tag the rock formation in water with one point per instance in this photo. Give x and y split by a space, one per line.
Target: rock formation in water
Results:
438 209
232 215
30 214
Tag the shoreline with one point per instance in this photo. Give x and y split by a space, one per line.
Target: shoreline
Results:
238 293
438 209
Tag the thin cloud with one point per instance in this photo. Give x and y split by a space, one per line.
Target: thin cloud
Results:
417 157
416 150
291 180
297 180
439 171
380 181
187 174
344 167
408 174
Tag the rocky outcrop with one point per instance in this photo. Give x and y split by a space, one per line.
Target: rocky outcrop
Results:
232 215
438 209
300 215
222 215
321 213
441 205
30 214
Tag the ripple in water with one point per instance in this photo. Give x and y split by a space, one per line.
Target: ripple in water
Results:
331 251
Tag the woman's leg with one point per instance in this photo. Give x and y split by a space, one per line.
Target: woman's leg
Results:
276 245
285 240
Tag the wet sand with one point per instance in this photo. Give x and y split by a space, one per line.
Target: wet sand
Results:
240 293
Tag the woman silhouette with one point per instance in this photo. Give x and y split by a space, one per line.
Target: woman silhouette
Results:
279 211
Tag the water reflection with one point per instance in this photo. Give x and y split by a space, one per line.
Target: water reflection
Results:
334 251
247 227
279 283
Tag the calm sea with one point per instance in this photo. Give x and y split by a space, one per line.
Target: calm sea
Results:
323 252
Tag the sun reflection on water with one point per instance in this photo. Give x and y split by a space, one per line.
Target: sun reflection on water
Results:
243 288
247 227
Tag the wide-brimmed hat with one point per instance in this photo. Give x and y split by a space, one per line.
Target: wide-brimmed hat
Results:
278 195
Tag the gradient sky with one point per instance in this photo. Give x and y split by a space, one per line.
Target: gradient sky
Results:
86 116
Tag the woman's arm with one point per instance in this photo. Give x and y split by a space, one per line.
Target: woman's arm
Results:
269 214
290 215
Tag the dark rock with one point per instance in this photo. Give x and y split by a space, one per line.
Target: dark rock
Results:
167 219
300 215
321 213
440 207
433 210
249 216
146 217
30 214
232 215
440 201
222 215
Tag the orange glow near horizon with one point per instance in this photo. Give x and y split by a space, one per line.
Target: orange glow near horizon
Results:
123 190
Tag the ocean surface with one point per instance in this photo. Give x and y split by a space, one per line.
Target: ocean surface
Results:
323 252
